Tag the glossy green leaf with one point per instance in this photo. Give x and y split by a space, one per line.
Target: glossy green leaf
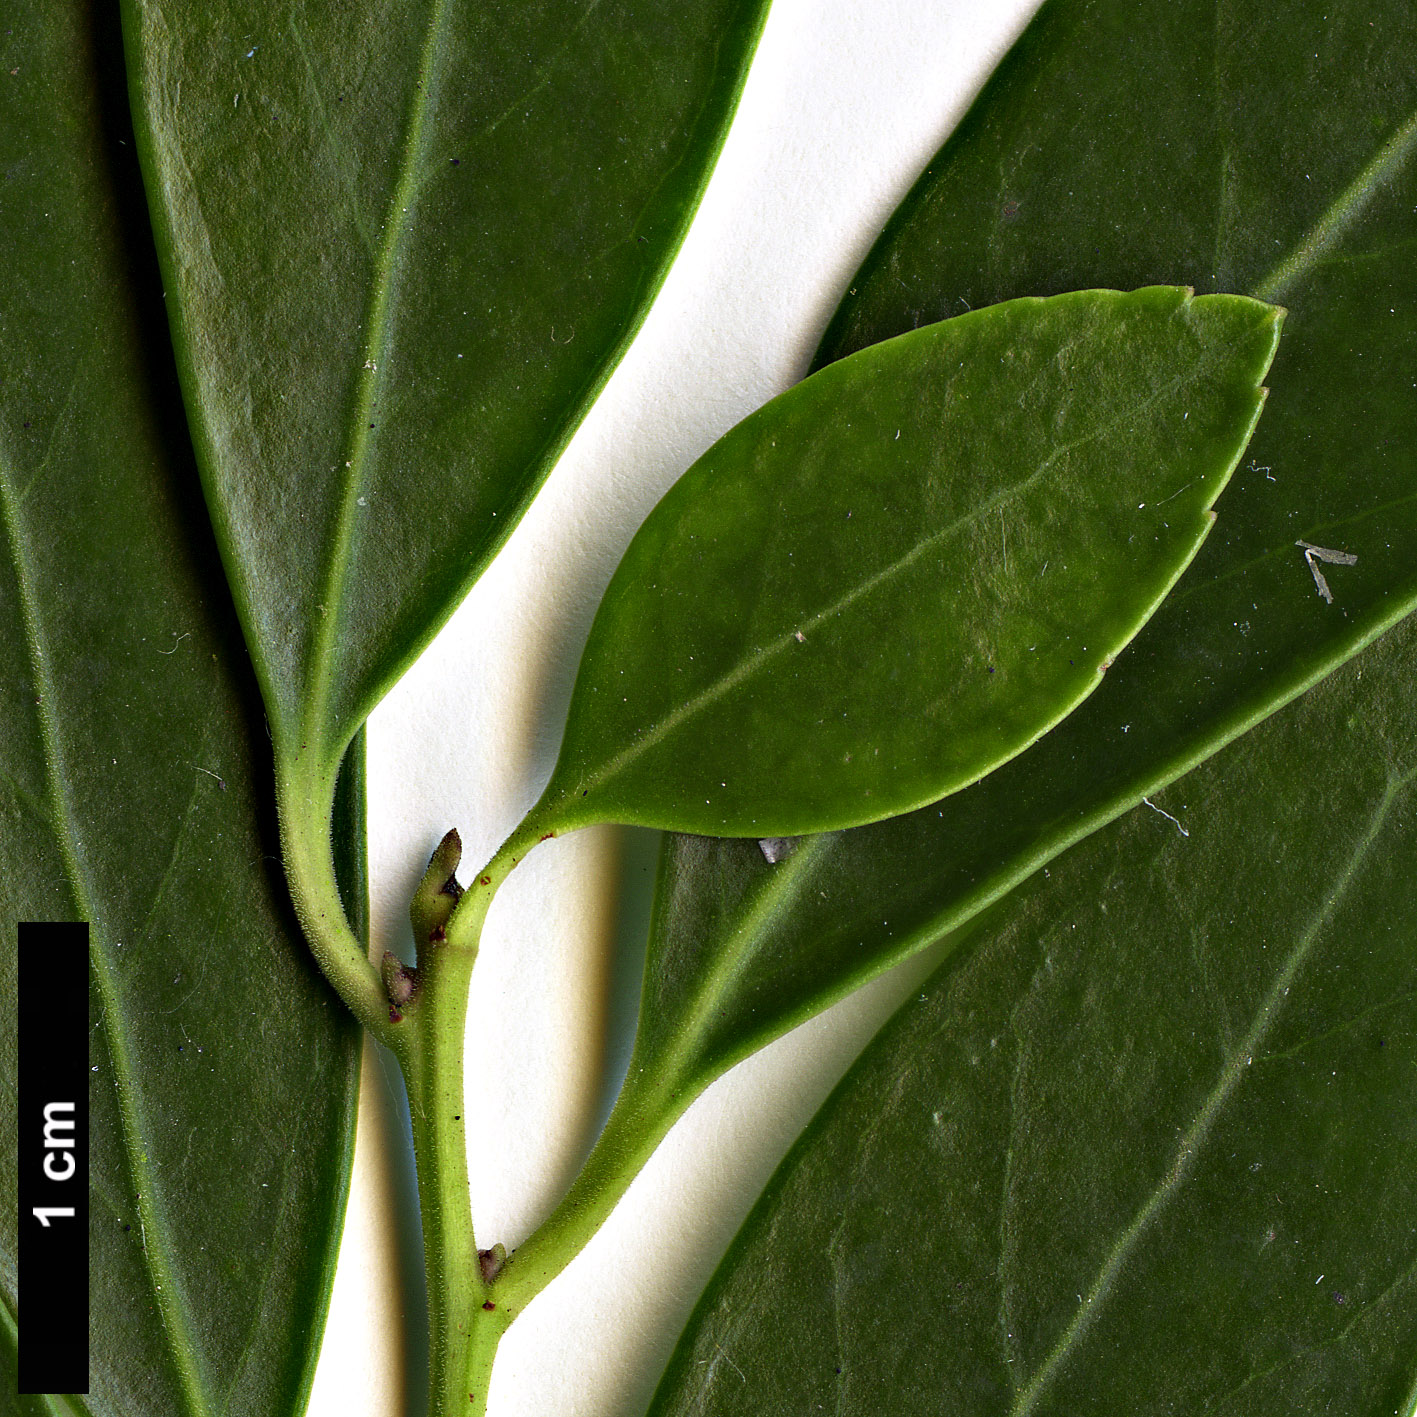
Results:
1149 1146
900 573
133 793
404 243
1286 171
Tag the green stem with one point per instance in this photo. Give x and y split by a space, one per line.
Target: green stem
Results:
427 1034
431 1055
466 1315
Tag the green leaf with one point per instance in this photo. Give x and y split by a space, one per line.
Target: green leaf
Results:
1288 149
1149 1146
133 772
405 242
899 574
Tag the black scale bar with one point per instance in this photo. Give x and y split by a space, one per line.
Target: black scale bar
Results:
54 1158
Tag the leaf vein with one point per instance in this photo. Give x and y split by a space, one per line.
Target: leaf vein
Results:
1308 1351
298 34
1344 1026
540 80
30 804
58 430
170 867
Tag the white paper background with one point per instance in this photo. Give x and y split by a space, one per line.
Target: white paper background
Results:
845 103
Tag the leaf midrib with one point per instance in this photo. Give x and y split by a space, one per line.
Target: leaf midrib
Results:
1183 1160
768 904
1331 227
378 323
65 831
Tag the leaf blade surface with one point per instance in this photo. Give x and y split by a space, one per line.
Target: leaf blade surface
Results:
845 609
1147 1142
406 244
224 1073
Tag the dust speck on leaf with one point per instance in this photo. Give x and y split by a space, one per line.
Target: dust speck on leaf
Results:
777 848
1162 812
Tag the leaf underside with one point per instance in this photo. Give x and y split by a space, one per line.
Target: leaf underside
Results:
1287 172
1148 1145
133 794
405 242
898 574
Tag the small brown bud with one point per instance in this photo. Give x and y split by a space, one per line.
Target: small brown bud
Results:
490 1262
401 981
438 892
